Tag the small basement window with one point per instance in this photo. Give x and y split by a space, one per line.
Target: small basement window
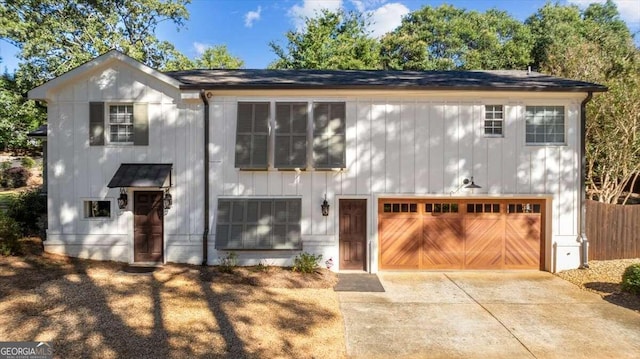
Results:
97 209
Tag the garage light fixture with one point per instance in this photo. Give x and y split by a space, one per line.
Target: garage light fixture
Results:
466 183
471 185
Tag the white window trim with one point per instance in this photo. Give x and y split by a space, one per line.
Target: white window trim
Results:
95 199
565 106
107 122
502 120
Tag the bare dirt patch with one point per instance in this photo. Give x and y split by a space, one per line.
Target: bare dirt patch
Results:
604 277
93 309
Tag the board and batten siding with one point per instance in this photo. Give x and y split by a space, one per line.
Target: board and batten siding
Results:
410 146
78 171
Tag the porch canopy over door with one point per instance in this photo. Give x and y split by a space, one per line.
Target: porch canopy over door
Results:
142 175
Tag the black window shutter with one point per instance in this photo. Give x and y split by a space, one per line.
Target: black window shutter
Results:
291 135
140 124
252 135
96 123
329 143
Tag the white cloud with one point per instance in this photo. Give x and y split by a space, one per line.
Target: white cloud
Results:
629 9
252 16
200 47
310 8
386 18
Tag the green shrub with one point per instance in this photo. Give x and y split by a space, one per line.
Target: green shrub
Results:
5 165
27 162
29 210
229 263
631 279
10 233
306 262
15 177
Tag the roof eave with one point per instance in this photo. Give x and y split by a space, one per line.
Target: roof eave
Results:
391 87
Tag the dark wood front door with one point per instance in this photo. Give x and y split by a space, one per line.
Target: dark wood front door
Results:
353 233
148 226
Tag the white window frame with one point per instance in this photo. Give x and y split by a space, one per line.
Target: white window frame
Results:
564 125
109 124
500 120
85 202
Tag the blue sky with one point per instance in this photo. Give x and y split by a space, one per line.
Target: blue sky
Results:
247 26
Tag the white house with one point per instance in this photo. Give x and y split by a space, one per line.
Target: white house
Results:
419 170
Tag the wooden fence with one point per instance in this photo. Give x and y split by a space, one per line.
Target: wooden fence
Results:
613 231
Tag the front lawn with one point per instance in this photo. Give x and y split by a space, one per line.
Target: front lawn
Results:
93 309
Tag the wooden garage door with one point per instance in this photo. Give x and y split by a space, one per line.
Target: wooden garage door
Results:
461 234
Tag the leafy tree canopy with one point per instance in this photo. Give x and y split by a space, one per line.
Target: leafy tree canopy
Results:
447 38
55 36
331 40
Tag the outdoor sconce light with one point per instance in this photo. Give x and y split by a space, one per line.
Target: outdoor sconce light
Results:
123 200
466 183
168 200
325 206
471 185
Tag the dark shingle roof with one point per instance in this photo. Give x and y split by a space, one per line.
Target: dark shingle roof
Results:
509 80
141 175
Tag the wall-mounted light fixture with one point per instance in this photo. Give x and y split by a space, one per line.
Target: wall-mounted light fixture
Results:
325 206
167 200
123 199
471 185
466 183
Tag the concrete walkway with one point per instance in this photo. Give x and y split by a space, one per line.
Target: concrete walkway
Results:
485 315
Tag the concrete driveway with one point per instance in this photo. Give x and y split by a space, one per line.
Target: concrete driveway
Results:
485 315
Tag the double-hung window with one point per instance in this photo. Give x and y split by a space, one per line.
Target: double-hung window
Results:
493 121
259 223
121 124
545 125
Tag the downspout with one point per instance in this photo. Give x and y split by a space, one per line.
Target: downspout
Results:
583 185
205 234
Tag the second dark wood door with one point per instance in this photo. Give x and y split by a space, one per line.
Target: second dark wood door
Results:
353 234
148 226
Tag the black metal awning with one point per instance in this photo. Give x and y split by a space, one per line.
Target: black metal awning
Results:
39 132
142 175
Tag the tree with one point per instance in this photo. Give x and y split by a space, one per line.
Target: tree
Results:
447 38
55 36
595 45
17 116
331 40
218 57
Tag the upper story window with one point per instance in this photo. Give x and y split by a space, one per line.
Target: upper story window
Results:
291 135
545 125
121 123
118 124
493 120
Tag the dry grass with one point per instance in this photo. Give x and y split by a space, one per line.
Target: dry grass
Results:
92 309
604 277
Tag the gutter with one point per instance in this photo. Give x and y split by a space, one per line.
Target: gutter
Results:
583 186
205 234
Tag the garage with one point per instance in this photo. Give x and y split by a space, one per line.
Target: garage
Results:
461 233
